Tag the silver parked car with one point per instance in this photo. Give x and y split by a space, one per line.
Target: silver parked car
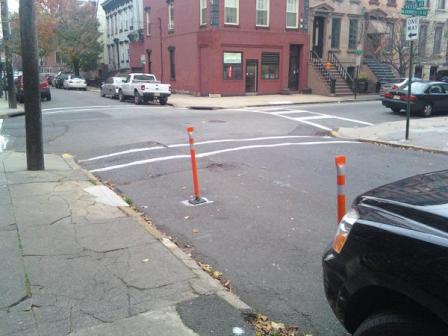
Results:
74 82
398 84
111 86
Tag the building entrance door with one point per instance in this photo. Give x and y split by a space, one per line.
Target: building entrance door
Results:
251 75
318 35
294 61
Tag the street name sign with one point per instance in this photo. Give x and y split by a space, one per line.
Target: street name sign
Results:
412 25
415 8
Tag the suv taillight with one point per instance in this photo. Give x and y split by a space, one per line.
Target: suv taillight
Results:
394 87
388 95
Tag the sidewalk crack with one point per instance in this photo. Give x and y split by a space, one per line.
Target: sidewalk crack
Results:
19 301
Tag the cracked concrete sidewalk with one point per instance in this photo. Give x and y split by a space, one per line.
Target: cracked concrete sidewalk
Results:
73 264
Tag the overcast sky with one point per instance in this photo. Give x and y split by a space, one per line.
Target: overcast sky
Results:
13 5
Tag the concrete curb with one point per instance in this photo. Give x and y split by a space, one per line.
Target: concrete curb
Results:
340 101
335 134
214 285
12 114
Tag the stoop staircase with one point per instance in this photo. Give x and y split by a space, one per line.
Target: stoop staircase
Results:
332 73
382 72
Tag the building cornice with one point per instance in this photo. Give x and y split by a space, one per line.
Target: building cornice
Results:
110 5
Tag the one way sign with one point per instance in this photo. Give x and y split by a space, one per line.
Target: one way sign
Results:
412 25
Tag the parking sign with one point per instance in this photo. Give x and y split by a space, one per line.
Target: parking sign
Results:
412 25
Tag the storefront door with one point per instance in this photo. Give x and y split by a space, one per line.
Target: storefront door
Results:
251 75
293 75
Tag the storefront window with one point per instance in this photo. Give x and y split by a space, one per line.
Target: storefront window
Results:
270 65
233 65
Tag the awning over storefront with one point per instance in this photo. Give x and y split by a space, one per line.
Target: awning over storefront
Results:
376 27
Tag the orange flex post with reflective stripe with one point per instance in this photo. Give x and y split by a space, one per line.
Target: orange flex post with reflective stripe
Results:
194 167
340 180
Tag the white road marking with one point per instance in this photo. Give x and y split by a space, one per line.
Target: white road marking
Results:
76 107
173 157
291 112
67 111
143 149
313 118
282 114
3 140
304 122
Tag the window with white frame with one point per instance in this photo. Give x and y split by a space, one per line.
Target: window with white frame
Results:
171 16
292 13
353 34
203 12
126 26
437 40
263 13
148 22
441 4
231 11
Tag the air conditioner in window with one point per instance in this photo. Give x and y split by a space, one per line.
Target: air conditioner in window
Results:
171 26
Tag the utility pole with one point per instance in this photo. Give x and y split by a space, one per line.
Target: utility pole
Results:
33 112
161 49
8 55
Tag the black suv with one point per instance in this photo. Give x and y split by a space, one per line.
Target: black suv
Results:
386 272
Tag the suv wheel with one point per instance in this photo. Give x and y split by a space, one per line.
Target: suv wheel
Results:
121 96
395 324
137 99
163 101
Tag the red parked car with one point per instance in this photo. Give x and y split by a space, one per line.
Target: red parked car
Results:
44 88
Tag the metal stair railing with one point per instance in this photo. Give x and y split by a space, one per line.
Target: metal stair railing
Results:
332 58
317 63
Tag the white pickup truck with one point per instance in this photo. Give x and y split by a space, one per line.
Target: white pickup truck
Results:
143 88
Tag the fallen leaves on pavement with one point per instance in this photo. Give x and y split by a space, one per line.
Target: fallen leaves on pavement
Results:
265 327
216 275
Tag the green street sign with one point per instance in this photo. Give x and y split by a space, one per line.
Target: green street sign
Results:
421 11
414 11
358 52
414 4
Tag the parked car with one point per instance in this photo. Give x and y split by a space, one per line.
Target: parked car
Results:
426 98
143 88
44 88
386 272
74 82
60 78
111 86
393 86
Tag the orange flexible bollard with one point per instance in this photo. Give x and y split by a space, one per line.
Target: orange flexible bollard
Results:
197 193
341 199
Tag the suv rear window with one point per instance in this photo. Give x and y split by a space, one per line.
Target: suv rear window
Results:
144 78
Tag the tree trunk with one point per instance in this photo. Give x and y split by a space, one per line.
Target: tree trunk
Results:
76 67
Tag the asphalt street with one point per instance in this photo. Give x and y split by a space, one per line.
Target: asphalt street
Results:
268 171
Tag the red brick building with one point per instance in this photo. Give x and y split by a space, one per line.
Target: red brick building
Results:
227 47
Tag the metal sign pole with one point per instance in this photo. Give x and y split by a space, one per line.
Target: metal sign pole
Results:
408 107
